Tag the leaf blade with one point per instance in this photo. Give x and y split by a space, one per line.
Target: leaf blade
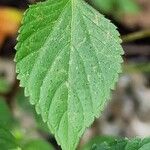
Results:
65 77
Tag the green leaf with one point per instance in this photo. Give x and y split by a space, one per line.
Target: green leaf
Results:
133 144
37 144
7 141
100 141
6 119
68 59
105 143
112 143
103 146
145 147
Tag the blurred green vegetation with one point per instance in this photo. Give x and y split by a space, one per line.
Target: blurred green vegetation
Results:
37 144
4 85
116 8
6 119
7 140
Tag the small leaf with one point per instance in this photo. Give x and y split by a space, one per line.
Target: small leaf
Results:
145 147
103 146
133 144
112 143
7 141
99 141
68 59
37 144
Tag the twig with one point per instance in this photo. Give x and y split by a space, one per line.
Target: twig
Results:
136 68
136 36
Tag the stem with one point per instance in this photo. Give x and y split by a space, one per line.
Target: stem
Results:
136 68
136 35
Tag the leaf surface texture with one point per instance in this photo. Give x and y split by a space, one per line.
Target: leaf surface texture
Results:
68 59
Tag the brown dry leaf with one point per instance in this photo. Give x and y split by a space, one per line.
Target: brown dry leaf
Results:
141 20
10 19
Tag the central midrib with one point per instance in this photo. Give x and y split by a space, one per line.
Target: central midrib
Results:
69 65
